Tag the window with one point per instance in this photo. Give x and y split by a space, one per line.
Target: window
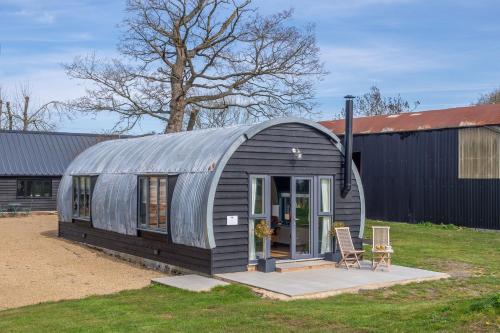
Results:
325 214
34 188
152 212
82 196
479 153
259 211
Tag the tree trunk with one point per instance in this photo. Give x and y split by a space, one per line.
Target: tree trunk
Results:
10 118
25 113
192 119
178 98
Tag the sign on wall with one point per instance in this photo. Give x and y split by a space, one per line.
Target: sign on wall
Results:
232 220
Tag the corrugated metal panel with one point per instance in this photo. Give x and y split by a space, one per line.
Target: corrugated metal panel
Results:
111 211
414 177
197 156
41 153
189 205
64 199
471 116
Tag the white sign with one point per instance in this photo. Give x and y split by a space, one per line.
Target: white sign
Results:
232 220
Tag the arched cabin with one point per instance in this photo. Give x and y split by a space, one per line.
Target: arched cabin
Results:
192 199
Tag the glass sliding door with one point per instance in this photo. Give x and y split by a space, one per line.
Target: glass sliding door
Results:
302 217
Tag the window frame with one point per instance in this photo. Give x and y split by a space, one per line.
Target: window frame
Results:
266 210
87 197
320 214
33 180
146 226
332 194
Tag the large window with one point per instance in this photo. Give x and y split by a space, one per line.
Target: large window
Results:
34 188
152 214
325 213
82 196
259 211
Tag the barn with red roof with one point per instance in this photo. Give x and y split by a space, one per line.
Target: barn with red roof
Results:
440 166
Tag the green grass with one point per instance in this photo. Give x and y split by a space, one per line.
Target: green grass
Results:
470 301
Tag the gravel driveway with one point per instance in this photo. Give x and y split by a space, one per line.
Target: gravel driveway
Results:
37 266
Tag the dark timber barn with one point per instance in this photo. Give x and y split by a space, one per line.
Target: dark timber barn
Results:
192 199
32 164
439 166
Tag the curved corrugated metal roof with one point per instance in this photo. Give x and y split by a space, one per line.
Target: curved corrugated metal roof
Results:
198 157
195 151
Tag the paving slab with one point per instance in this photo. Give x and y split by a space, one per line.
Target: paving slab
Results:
331 281
191 282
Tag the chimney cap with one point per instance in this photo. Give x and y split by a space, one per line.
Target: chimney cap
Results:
349 96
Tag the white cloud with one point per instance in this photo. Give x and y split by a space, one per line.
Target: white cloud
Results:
380 58
38 16
325 8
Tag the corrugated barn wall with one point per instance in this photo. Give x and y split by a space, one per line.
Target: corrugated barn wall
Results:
414 177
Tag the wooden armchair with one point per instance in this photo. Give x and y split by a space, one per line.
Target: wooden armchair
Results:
350 256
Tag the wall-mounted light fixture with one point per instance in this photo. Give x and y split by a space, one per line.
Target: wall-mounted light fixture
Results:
297 154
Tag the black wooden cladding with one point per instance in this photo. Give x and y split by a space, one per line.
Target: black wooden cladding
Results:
148 245
8 194
413 177
269 153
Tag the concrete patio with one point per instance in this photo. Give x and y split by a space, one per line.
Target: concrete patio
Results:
329 281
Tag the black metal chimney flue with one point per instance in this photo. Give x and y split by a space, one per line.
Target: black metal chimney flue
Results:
347 146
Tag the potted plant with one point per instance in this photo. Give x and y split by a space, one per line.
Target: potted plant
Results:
334 255
263 232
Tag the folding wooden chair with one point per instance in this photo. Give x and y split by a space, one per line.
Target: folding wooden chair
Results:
381 248
350 256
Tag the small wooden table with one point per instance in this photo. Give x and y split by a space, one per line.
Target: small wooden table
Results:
381 257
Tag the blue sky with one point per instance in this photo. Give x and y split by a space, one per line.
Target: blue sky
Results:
442 53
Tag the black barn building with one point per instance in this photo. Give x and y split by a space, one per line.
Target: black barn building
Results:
439 166
32 164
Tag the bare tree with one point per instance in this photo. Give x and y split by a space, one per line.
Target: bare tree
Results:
492 97
21 114
184 56
373 103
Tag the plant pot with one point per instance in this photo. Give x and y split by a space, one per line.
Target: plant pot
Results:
333 256
266 265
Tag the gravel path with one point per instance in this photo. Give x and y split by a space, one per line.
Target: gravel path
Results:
37 266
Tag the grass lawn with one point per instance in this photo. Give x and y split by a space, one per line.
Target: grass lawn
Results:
470 301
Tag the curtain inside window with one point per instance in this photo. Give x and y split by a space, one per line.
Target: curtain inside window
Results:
325 196
325 224
251 239
254 194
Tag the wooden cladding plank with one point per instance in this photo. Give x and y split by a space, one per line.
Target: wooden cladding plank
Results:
74 232
286 160
317 150
231 248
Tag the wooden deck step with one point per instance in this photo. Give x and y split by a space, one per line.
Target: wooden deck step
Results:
304 265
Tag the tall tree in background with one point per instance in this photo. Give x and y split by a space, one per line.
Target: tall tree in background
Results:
186 58
492 97
373 104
